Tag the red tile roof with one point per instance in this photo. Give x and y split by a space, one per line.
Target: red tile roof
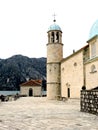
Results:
32 83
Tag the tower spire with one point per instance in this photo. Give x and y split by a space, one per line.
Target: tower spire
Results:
54 17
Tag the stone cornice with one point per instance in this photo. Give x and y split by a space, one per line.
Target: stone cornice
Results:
91 60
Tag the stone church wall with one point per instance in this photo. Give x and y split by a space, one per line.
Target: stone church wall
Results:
72 76
91 73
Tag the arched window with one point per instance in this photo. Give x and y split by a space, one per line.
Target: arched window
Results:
93 69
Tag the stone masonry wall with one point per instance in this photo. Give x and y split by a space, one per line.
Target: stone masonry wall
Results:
89 101
72 75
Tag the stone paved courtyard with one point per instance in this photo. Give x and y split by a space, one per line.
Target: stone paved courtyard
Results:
38 113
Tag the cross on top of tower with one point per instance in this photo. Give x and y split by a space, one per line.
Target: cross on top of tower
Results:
54 17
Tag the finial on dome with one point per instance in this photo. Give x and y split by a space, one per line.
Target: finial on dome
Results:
54 26
54 17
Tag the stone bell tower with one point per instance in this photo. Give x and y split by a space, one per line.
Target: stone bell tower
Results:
54 57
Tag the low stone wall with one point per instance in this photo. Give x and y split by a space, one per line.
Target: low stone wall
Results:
89 101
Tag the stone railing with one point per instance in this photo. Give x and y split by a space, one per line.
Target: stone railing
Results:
89 101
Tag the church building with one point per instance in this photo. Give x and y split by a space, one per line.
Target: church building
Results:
67 76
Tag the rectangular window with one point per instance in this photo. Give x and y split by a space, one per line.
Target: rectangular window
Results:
93 50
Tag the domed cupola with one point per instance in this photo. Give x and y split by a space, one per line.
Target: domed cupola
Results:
54 27
94 30
54 33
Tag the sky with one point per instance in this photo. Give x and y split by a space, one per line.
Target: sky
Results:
24 25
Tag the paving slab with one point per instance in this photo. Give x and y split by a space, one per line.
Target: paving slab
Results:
39 113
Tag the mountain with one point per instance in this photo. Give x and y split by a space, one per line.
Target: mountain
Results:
17 69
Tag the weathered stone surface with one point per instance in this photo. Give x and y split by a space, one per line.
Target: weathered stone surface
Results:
89 101
38 113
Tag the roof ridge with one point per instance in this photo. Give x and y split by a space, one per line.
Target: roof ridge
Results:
31 83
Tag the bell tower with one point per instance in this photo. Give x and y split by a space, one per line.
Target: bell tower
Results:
54 57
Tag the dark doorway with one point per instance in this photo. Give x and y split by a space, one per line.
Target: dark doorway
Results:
30 92
68 92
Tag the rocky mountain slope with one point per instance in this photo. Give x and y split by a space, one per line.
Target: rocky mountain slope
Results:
17 69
